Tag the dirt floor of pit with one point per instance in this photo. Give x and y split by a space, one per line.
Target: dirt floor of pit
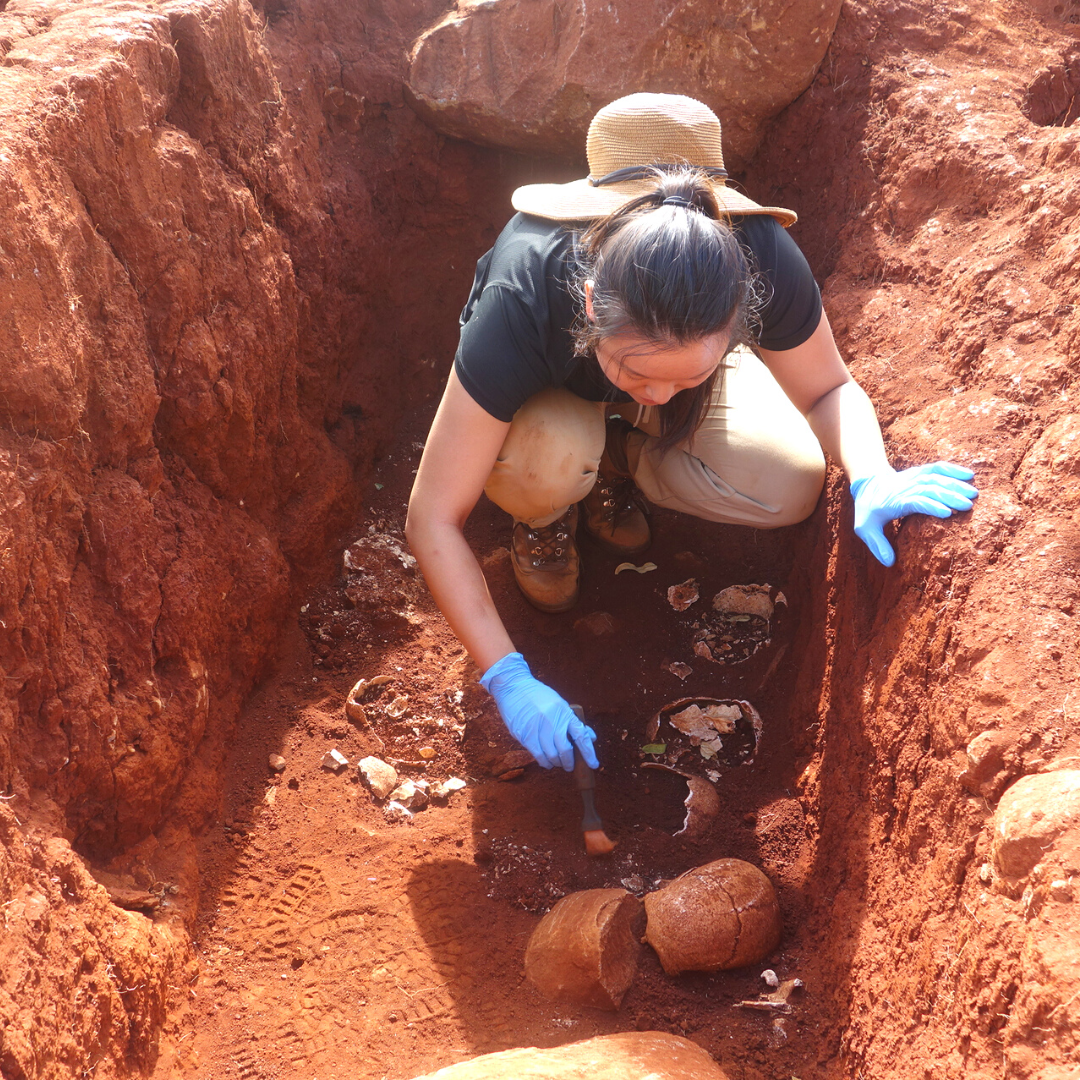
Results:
334 943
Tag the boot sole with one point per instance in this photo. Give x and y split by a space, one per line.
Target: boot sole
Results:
614 549
550 609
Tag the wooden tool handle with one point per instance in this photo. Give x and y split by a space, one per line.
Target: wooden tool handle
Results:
585 779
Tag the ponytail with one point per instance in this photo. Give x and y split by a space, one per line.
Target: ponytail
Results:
666 267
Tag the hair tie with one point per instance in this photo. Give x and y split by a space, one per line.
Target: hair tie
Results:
677 200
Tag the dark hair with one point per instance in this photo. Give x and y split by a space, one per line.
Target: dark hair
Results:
666 267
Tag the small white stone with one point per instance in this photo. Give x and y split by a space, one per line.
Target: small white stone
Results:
986 873
447 787
409 793
276 762
771 978
380 777
1061 890
334 760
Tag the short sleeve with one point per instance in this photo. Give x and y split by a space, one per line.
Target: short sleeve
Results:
792 304
501 353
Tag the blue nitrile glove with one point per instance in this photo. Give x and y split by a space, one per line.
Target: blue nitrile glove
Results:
937 490
536 716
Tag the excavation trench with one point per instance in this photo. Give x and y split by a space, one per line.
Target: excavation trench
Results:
332 939
260 253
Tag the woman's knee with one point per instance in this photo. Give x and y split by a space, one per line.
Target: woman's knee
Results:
793 497
549 458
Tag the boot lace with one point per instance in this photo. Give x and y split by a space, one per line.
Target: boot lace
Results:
619 496
550 544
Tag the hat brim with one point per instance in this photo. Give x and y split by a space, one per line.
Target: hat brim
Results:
580 201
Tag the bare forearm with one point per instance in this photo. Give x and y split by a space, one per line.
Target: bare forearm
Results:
458 587
847 427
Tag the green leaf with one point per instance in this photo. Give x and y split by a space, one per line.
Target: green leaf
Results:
654 748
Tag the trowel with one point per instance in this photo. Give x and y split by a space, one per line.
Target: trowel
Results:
597 841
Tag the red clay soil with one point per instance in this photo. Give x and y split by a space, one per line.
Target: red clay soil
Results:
375 949
262 252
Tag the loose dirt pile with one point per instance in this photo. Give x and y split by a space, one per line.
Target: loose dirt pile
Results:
230 269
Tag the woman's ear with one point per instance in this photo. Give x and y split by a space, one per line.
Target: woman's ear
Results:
588 301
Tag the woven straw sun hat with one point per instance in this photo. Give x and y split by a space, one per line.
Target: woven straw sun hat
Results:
625 139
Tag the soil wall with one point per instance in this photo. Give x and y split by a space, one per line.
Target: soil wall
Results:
211 232
935 167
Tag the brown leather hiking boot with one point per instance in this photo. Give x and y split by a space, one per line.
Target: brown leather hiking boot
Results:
615 510
546 562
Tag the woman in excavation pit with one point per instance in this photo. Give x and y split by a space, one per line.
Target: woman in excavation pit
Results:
644 290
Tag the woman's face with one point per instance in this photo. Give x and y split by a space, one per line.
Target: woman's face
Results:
652 374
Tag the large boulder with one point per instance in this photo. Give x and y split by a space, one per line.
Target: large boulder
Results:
722 915
1038 820
528 75
631 1055
584 949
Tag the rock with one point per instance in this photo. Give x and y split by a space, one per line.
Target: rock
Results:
334 760
985 761
1061 891
1038 820
446 788
380 777
718 916
629 1055
409 793
771 979
747 600
680 597
529 75
426 752
276 762
395 812
584 950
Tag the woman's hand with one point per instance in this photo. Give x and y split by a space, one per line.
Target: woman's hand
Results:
938 490
536 716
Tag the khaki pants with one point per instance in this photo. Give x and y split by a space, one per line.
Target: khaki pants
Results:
753 461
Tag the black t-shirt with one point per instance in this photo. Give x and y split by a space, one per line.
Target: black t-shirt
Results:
515 329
